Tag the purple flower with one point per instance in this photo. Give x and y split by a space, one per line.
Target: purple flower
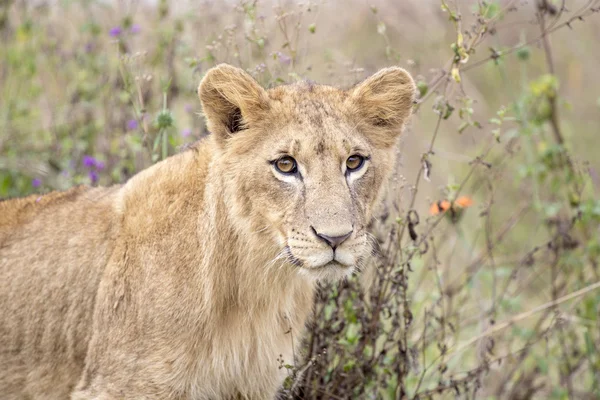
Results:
186 132
88 161
93 176
132 124
115 32
135 28
37 182
91 163
188 108
260 68
284 58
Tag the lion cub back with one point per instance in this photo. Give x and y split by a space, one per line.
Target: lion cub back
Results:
53 249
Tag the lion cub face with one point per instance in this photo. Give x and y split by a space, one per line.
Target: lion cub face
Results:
304 164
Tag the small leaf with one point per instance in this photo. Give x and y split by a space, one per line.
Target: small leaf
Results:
352 333
448 111
424 88
455 74
523 53
349 365
589 344
496 134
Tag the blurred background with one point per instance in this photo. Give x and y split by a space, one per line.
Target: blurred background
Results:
485 279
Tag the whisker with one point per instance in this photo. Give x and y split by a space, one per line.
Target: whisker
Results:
262 229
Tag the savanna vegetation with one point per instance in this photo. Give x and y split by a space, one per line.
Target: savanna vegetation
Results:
485 279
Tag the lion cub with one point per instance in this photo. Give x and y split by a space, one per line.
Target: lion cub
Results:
190 280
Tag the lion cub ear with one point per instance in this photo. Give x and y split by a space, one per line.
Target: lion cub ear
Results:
231 99
384 102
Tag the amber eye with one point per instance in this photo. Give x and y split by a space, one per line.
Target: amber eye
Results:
286 165
354 162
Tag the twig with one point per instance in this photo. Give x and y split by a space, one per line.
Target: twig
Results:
554 122
524 315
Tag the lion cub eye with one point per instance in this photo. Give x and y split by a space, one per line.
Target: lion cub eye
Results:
354 162
286 165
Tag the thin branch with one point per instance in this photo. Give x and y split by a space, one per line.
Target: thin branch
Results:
524 315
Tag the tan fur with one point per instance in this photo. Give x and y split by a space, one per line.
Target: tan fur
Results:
193 278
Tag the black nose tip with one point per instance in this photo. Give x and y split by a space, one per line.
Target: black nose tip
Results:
333 241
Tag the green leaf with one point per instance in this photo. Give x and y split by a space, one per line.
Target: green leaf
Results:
523 53
448 111
424 88
490 9
368 351
349 365
352 333
589 344
328 311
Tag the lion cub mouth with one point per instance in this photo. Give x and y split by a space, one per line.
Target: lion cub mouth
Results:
328 269
331 264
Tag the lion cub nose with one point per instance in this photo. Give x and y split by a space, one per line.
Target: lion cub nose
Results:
333 241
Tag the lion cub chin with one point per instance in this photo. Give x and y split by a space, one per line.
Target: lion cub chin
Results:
193 279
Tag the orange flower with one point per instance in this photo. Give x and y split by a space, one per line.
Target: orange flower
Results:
439 207
455 207
464 202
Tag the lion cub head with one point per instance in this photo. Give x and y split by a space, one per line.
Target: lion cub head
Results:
303 165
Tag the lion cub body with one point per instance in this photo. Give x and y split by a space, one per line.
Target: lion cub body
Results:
125 253
194 279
